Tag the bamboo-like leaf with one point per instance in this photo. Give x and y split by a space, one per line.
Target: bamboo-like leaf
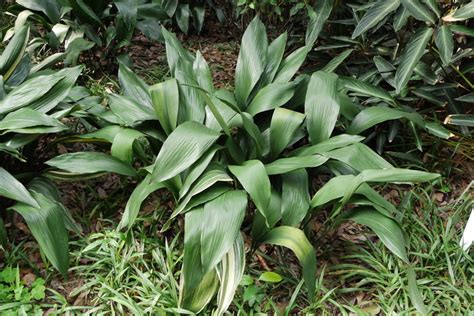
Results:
165 99
283 127
438 130
230 272
469 98
254 132
317 18
175 51
295 239
295 197
89 163
387 229
460 119
321 106
270 97
332 65
378 114
374 15
419 11
46 223
365 88
13 189
401 18
463 13
184 146
254 179
251 61
445 43
414 51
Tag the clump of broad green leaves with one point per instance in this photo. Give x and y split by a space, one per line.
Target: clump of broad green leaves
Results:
104 25
32 103
252 151
418 54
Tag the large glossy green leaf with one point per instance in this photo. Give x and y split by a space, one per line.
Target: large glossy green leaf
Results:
335 189
254 179
221 221
321 106
284 165
210 233
29 121
445 43
59 91
196 170
374 15
129 110
290 65
332 143
13 189
270 97
90 162
254 132
419 11
295 197
122 144
133 86
184 146
358 156
28 92
13 53
46 223
392 175
175 51
197 288
251 61
295 240
283 127
215 173
317 18
378 114
134 203
386 228
230 272
275 53
414 50
165 98
203 73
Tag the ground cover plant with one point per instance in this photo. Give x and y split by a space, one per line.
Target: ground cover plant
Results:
418 54
219 148
32 103
187 197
